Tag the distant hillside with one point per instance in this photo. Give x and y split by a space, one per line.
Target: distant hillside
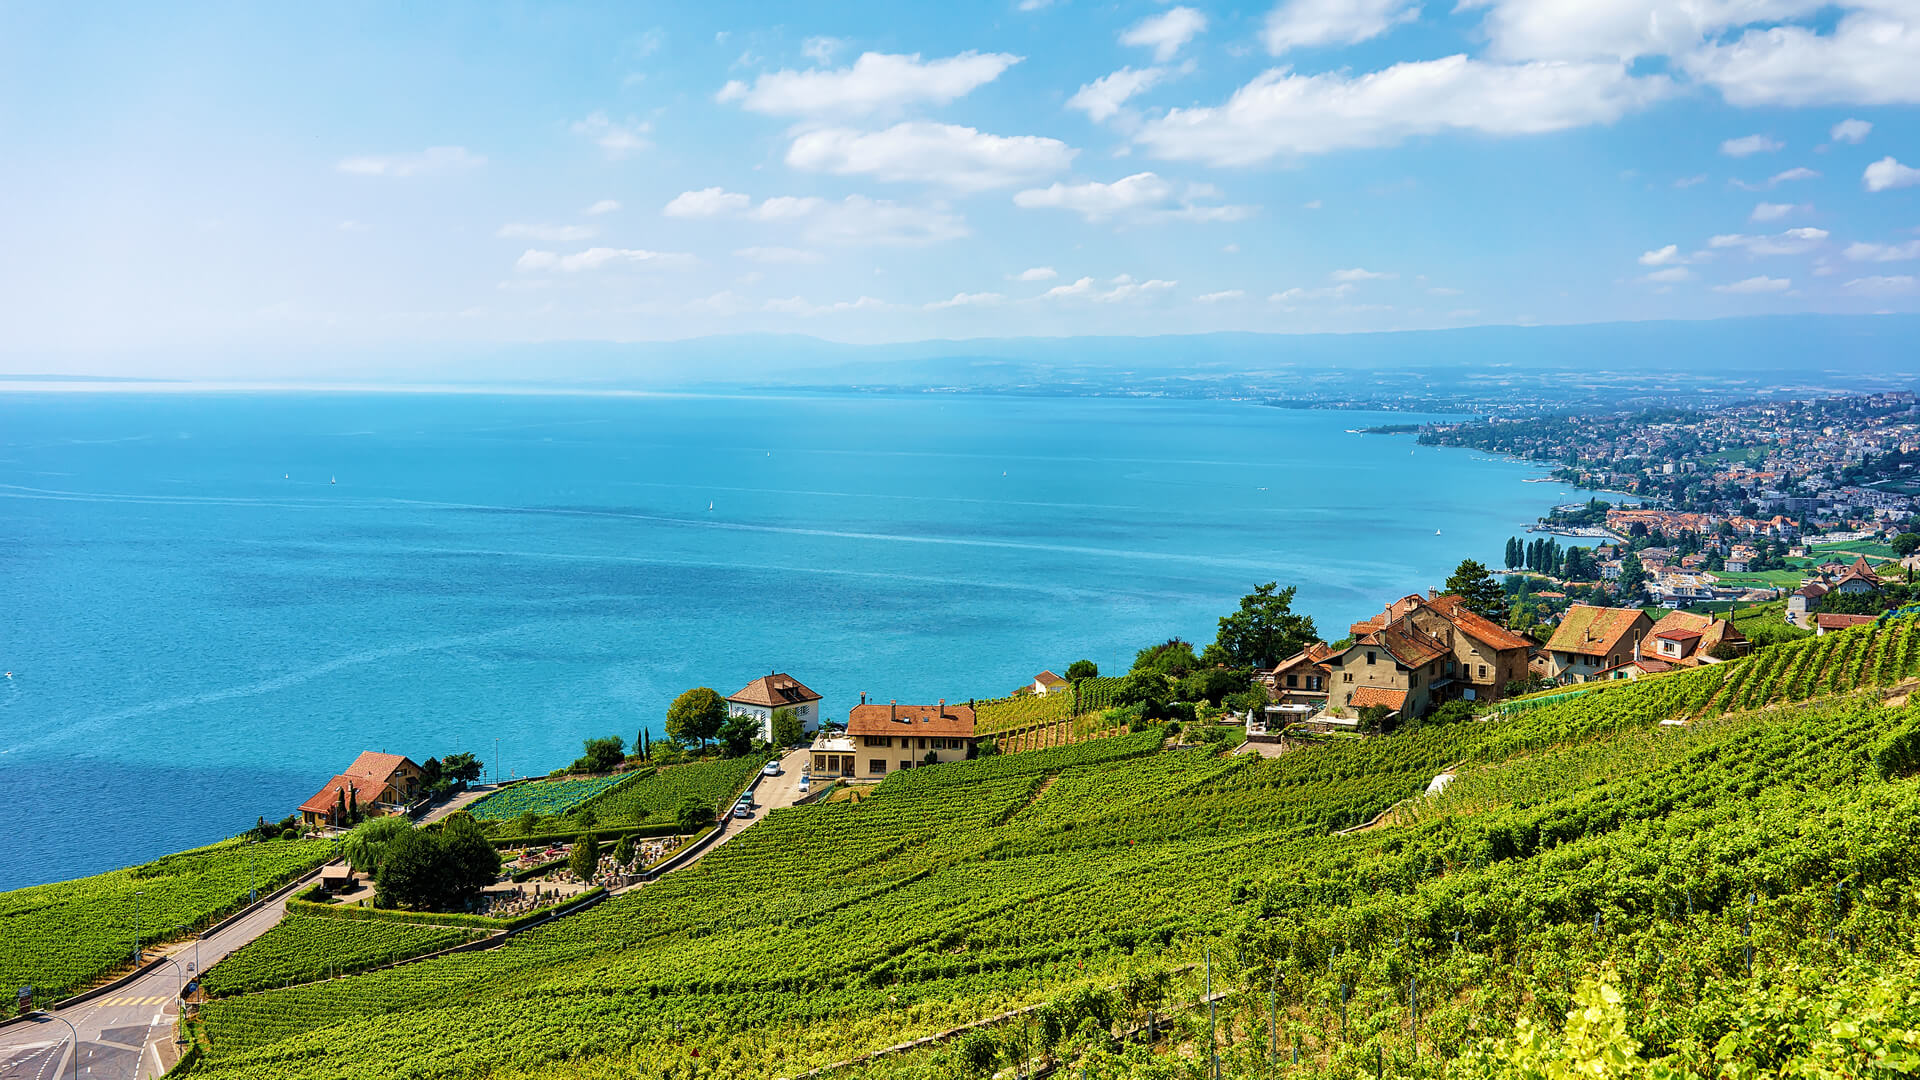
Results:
1720 890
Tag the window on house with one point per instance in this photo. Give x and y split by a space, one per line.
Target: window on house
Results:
802 710
1313 682
1293 680
1349 676
1483 671
1369 656
875 765
921 744
906 764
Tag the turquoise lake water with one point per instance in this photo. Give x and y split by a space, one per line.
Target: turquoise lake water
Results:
213 602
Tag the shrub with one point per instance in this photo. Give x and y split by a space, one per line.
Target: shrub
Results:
1897 754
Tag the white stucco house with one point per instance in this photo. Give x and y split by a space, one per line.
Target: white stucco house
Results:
769 696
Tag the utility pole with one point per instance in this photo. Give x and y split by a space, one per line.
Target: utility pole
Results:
1213 1046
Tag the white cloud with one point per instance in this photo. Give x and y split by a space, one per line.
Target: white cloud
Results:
1884 286
351 226
1666 256
1872 57
1620 29
1669 275
1034 5
1280 112
617 139
550 234
876 82
1756 285
604 206
779 255
962 158
1850 131
1791 242
795 305
969 299
1143 197
1689 181
724 302
1103 97
1124 289
1036 273
1772 211
860 220
1748 145
1305 23
1798 172
1298 294
1224 296
1865 252
1442 290
1463 313
788 208
821 49
707 202
1360 274
599 257
1887 173
434 159
1166 32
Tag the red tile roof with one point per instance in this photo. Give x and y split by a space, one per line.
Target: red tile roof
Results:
1594 631
1678 635
1835 621
1048 678
774 691
1407 644
377 766
366 790
1368 696
953 721
1477 626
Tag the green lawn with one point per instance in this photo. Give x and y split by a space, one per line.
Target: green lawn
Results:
1868 548
1772 579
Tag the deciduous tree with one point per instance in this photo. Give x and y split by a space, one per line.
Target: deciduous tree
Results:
1264 631
697 715
1476 588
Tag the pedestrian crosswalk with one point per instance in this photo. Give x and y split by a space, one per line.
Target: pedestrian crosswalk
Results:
134 1001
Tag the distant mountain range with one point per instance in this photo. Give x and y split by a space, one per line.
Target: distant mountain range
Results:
1644 361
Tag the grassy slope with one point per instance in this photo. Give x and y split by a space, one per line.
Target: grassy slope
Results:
958 891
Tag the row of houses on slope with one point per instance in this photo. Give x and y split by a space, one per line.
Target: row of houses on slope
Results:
1424 651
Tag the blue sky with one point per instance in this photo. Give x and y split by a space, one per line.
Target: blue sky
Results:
277 175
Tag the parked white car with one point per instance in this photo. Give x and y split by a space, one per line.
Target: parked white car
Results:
772 768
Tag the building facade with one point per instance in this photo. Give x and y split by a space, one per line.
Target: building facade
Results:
775 695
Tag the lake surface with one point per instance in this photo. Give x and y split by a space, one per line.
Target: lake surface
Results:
210 603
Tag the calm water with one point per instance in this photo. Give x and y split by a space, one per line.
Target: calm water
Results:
202 626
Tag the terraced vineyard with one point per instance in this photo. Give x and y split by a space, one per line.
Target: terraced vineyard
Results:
1736 882
654 799
548 798
303 948
1037 721
63 937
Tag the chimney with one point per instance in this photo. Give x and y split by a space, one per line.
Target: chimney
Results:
943 708
1433 593
893 710
863 697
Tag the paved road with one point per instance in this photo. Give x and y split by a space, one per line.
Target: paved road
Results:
124 1033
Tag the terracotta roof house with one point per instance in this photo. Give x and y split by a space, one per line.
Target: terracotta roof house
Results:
887 738
1481 656
1682 639
1300 679
1633 669
1802 602
1858 578
1397 657
1590 639
1047 683
774 695
398 772
343 796
1828 622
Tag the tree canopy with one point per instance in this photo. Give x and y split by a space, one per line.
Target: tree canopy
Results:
436 871
1476 588
1172 658
697 715
1264 631
1082 669
602 755
737 734
367 844
460 768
